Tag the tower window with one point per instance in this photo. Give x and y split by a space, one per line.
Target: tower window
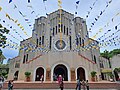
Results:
80 40
53 31
50 42
42 40
64 29
70 43
67 31
77 41
17 64
24 59
37 43
83 42
94 59
56 29
61 28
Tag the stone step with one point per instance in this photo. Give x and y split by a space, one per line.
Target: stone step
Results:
67 85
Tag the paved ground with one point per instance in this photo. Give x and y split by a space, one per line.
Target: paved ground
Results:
17 82
59 89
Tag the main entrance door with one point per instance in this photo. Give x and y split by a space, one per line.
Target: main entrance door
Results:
81 74
39 73
61 70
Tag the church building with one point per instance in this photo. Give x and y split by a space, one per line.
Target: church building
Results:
60 45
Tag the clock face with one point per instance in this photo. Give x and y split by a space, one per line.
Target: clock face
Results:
60 45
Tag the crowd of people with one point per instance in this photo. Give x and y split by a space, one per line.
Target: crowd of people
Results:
83 84
59 79
10 83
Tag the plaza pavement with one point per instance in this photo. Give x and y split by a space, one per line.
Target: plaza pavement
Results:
101 85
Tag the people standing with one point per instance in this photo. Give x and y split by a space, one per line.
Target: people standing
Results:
87 85
61 85
78 86
83 84
59 79
42 78
10 85
1 82
54 77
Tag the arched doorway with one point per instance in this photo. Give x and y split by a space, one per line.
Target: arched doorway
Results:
16 75
61 70
81 73
39 73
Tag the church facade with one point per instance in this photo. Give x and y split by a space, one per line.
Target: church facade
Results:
60 45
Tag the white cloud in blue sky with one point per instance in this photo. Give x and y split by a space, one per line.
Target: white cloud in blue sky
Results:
51 5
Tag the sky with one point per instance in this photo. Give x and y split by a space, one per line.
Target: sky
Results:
25 13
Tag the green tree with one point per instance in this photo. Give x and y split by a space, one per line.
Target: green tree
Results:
3 38
114 52
4 68
105 54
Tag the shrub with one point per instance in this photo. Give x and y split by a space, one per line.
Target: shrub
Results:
27 74
93 73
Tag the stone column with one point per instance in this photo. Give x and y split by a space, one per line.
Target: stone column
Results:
72 70
48 74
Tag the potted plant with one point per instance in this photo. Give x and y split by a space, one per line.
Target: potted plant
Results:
27 75
93 74
111 76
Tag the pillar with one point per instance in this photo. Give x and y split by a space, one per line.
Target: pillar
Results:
48 74
72 70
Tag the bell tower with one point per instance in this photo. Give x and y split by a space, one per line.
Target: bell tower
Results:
61 31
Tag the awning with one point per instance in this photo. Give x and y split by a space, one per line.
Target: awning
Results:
106 70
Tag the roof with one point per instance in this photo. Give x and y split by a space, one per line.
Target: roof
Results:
93 40
26 39
62 10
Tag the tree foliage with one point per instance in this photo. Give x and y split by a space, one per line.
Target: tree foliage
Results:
106 54
117 69
3 38
4 68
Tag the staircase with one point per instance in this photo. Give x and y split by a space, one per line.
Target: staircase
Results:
67 85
